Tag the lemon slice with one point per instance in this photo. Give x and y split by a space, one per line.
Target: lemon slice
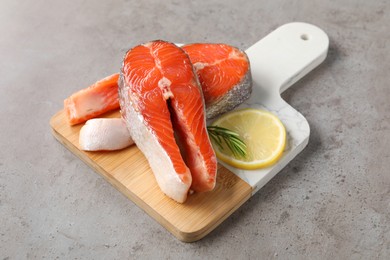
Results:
262 132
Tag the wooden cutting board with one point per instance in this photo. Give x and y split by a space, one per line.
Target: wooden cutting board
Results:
277 61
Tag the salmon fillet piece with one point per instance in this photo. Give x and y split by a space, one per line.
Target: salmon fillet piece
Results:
104 134
224 74
162 105
93 101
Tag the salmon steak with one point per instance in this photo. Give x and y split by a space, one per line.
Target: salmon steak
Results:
93 101
224 74
162 104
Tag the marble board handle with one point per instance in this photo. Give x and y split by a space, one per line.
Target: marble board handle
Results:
287 54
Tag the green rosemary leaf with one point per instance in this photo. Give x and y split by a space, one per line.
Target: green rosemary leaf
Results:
232 140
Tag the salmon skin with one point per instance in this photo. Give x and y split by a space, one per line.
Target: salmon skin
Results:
93 101
224 74
160 99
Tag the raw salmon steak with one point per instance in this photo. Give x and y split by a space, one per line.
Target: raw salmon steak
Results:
93 101
223 71
162 104
224 74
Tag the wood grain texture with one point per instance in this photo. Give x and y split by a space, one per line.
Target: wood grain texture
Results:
129 172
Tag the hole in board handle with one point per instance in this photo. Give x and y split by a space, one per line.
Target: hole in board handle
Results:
304 37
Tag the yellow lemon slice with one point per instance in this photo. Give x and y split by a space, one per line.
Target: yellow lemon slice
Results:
262 132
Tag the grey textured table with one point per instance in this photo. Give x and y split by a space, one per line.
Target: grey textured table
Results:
332 201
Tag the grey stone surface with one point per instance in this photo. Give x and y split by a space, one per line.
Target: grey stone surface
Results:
331 202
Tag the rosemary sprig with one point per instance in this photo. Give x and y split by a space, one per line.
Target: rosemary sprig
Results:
232 140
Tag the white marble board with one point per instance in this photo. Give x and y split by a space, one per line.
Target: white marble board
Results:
278 61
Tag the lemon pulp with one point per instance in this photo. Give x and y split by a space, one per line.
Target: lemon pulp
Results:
262 132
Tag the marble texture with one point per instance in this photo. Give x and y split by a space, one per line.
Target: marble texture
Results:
277 61
331 202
